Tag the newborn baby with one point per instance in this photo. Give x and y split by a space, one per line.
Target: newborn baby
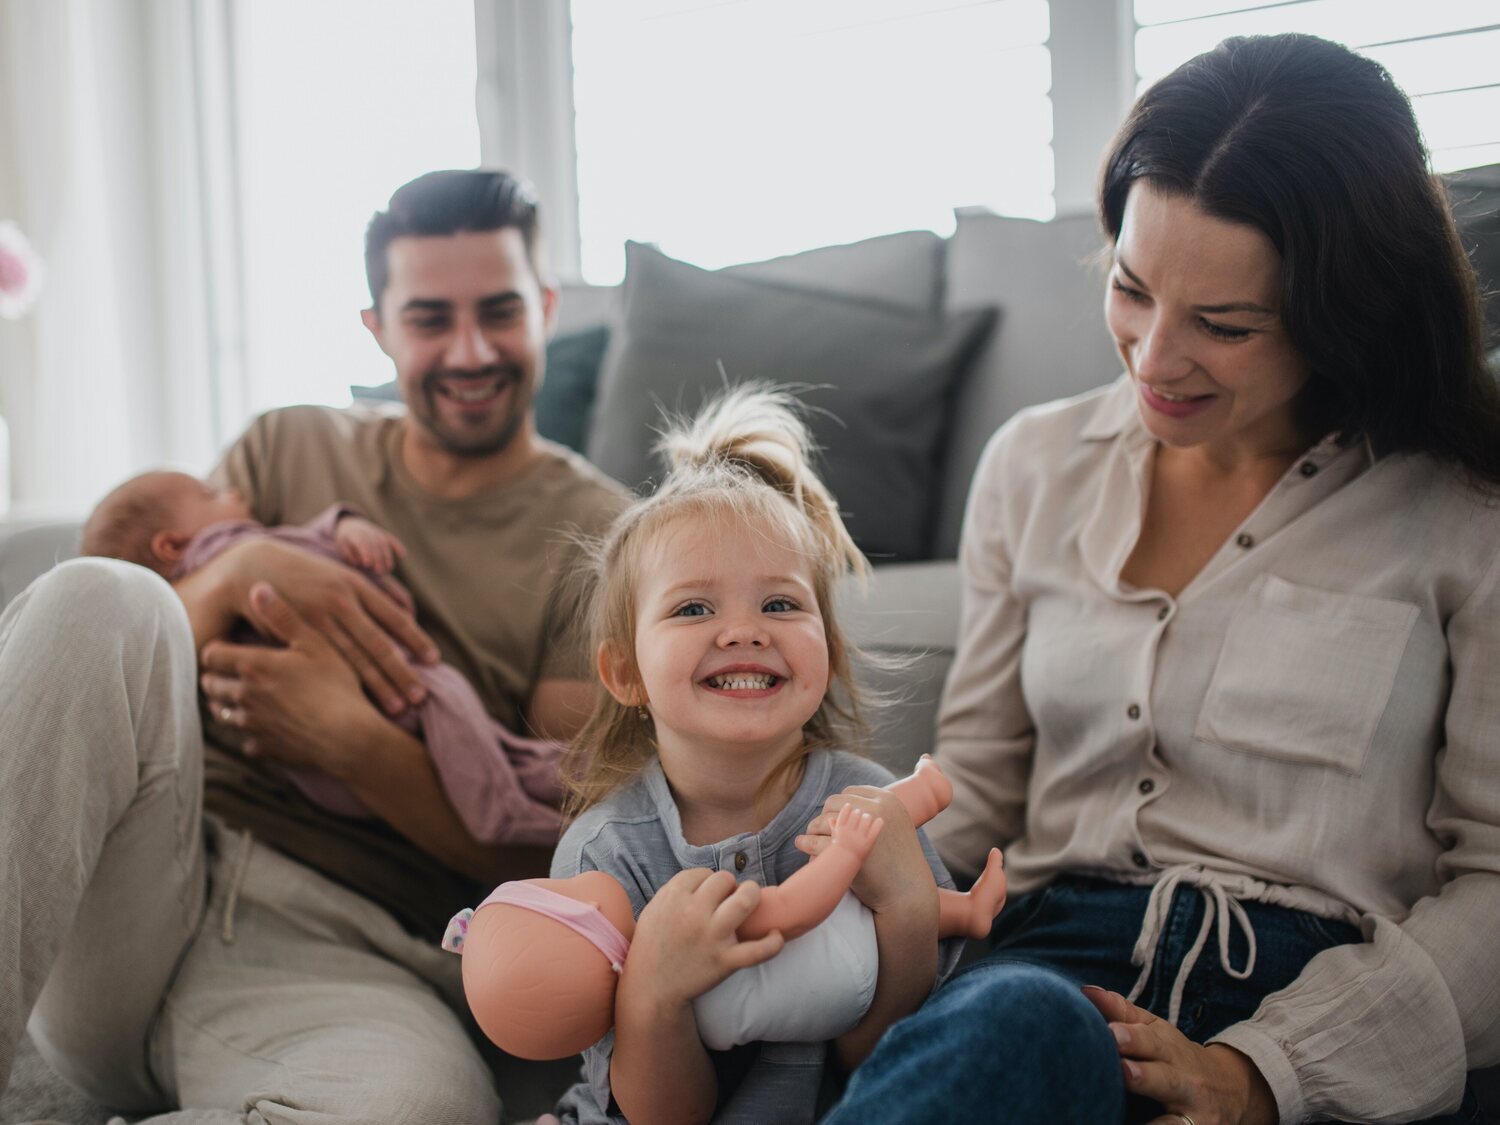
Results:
503 787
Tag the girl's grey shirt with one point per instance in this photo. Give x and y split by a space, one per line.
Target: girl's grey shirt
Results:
636 836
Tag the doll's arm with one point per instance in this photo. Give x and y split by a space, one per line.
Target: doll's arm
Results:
925 792
810 895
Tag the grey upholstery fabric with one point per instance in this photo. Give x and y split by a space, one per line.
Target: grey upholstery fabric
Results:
883 375
1052 340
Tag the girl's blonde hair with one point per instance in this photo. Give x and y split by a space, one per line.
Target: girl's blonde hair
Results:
746 458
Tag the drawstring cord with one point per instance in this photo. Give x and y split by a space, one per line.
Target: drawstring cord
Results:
236 880
1217 903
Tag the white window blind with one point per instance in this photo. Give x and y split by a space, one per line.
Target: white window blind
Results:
728 132
335 110
1444 53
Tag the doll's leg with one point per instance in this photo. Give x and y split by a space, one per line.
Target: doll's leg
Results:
101 765
972 914
925 791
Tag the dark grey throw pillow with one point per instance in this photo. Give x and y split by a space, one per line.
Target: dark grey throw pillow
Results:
881 382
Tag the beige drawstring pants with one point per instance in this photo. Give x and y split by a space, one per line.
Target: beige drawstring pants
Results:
167 961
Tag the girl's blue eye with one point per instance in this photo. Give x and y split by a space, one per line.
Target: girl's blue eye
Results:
691 609
779 605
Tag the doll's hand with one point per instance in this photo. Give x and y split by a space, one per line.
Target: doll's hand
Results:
371 548
685 941
855 831
896 873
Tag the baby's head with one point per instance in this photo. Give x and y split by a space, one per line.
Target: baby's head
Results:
150 519
712 600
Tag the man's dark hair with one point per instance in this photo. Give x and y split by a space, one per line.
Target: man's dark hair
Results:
443 203
1317 148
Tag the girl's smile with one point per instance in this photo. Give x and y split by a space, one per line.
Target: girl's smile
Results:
730 647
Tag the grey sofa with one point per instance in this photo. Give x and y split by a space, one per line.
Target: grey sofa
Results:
1050 342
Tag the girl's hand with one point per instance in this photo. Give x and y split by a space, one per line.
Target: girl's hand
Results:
1214 1085
896 872
367 546
685 941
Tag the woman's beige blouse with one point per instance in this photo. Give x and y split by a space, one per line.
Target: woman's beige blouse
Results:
1314 721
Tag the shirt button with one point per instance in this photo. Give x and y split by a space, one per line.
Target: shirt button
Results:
1163 613
740 860
1308 469
1146 785
1133 711
1244 540
1139 859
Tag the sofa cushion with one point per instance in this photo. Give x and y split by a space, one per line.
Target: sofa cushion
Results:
29 549
898 269
1053 344
880 379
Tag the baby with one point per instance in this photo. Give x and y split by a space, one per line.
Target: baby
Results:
503 787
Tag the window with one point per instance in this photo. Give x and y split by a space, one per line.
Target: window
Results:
334 111
1444 54
729 132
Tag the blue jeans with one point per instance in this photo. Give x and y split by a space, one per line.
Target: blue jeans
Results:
1012 1039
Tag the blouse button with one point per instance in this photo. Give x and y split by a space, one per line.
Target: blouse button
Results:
1244 540
1163 613
1133 711
1146 785
1139 859
1308 469
740 860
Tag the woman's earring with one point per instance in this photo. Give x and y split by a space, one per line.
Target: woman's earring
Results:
643 714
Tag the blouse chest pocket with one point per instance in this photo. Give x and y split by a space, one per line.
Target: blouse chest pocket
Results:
1304 675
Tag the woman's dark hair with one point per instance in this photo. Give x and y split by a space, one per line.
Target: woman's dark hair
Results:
1317 148
447 202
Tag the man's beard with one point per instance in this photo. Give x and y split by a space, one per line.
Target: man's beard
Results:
473 443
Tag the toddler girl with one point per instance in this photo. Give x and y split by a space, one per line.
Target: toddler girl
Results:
712 753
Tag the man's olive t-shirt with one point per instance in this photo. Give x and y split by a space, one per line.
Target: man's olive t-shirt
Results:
493 580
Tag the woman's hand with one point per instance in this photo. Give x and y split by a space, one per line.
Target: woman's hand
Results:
1214 1085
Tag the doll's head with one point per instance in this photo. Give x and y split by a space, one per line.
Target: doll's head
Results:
711 603
540 963
150 519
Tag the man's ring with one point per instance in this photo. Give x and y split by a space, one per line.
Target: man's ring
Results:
1186 1120
226 711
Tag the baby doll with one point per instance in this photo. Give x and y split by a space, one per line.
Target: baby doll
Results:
503 787
541 956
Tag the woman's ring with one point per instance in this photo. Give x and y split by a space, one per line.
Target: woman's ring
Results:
1186 1120
226 711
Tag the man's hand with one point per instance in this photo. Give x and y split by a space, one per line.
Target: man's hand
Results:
1213 1085
362 621
301 705
367 546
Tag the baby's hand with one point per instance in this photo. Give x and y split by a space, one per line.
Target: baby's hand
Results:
366 546
896 871
685 941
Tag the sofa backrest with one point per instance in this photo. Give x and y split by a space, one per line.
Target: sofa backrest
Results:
1050 342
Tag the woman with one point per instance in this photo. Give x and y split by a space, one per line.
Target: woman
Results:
1227 685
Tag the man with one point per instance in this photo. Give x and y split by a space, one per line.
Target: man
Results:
271 962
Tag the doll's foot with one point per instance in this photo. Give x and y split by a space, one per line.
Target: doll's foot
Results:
926 792
972 914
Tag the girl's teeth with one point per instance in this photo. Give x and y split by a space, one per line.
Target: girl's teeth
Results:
742 682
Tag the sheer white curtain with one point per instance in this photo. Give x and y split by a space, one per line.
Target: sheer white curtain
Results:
123 362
